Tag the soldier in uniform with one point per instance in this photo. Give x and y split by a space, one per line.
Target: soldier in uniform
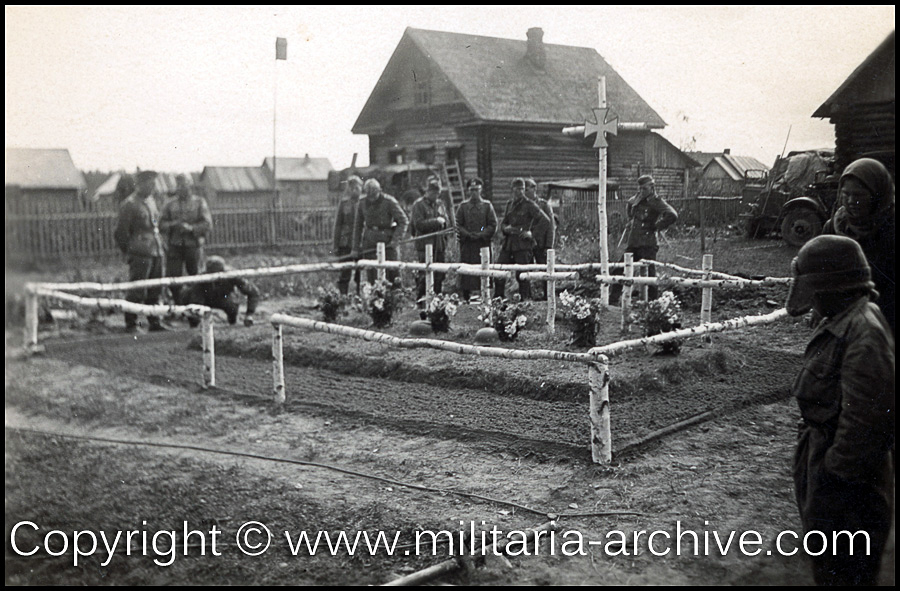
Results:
343 232
544 234
476 224
647 214
428 217
379 218
843 465
221 294
137 236
521 219
186 222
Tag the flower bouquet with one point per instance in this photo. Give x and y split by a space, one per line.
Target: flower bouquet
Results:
439 310
584 314
658 316
332 303
507 317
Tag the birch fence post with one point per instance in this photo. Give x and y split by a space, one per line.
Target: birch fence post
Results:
706 297
278 364
626 292
645 289
551 292
601 439
429 274
209 350
382 272
485 281
31 320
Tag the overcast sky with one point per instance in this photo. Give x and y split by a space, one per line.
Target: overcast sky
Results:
178 88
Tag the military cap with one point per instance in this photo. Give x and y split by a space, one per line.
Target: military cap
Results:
474 182
433 183
146 175
645 179
826 264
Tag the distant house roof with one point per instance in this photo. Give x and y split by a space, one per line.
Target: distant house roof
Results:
42 169
703 158
499 84
739 168
300 169
871 82
238 179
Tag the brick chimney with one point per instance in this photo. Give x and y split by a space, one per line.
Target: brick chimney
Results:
535 52
726 151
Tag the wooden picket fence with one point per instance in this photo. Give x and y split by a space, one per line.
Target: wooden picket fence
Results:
61 236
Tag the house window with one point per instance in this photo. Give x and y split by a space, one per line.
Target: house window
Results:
425 155
397 156
423 91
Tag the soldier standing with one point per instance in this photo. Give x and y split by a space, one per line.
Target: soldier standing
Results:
544 234
137 236
186 222
520 220
379 218
343 232
647 214
476 224
429 216
843 465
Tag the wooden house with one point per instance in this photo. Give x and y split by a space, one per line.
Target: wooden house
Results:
302 181
40 181
862 110
237 187
498 106
725 174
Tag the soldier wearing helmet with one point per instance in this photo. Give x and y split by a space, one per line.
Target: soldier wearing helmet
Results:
843 467
220 294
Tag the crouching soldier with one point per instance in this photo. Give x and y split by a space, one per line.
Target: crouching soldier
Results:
221 295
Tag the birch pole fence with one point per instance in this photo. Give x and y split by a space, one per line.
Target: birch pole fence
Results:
35 291
596 359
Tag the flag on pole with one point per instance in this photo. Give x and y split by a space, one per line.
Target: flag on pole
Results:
280 48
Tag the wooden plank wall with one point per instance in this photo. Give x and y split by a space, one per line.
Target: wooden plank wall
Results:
542 154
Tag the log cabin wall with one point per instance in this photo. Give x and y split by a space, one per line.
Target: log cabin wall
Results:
862 129
542 153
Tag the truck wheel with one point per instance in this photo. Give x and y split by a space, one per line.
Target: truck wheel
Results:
800 225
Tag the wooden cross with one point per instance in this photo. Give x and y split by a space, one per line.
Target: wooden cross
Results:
601 127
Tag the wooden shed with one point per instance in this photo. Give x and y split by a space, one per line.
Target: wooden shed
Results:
498 106
862 109
40 181
301 181
237 187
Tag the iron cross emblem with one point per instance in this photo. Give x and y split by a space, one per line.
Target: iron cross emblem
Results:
601 127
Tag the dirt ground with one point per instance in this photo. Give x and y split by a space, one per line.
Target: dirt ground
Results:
110 432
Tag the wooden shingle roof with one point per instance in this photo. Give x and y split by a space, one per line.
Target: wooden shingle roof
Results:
499 84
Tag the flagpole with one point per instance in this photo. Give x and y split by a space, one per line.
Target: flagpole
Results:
275 134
